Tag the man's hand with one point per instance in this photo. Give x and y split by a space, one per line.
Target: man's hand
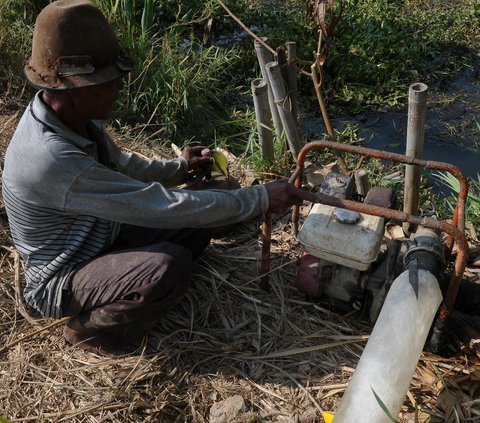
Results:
282 195
198 157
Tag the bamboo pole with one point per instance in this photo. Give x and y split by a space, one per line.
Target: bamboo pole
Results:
292 72
265 56
263 117
282 63
417 106
282 101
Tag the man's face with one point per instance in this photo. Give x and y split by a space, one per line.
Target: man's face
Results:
96 102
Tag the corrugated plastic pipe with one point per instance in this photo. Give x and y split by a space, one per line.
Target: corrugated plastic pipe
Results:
386 367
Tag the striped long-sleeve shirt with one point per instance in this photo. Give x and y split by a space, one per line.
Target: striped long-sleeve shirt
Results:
66 196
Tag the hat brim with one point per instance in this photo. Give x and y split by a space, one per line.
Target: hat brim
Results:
99 76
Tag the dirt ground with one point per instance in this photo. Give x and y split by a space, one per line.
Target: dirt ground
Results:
229 348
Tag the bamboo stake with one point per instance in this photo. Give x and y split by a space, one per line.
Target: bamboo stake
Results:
283 106
282 62
265 56
263 117
292 72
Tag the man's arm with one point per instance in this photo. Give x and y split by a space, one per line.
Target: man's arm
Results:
169 173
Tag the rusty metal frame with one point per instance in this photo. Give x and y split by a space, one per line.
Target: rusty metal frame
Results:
455 230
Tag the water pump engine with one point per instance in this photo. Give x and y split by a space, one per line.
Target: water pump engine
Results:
347 262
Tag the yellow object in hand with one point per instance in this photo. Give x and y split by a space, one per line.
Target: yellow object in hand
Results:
220 163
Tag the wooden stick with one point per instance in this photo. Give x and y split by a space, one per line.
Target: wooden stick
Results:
246 28
36 332
317 84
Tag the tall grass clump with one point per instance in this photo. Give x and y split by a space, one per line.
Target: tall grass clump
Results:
180 84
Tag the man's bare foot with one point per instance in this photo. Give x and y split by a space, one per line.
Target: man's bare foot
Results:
96 341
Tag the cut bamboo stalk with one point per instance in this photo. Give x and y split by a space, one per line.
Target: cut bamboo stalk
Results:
282 101
361 182
265 56
263 117
282 63
292 71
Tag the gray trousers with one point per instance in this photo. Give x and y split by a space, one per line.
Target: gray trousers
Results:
143 275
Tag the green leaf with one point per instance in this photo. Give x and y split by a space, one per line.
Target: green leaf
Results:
4 420
220 163
128 12
383 406
147 16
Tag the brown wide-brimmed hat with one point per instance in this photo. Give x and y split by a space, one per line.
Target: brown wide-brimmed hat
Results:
74 46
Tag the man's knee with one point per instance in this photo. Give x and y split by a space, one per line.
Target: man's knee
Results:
174 266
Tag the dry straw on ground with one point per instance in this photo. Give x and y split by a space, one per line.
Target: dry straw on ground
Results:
286 358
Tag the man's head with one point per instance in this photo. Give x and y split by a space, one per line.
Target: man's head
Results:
74 46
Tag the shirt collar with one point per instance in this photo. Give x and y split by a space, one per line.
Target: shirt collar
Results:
45 114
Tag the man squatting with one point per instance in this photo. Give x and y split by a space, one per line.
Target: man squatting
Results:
105 235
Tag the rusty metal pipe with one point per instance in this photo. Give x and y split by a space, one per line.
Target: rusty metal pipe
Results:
417 107
459 213
266 247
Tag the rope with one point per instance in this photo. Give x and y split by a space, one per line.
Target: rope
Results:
284 100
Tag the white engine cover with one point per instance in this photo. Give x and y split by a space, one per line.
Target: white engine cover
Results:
354 245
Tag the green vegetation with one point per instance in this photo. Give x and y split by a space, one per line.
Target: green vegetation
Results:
380 47
472 207
186 77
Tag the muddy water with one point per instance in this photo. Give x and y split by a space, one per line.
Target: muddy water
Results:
452 127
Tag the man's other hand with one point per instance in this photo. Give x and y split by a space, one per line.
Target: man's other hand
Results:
197 157
282 195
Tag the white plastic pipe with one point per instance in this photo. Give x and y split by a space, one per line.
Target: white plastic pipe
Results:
391 355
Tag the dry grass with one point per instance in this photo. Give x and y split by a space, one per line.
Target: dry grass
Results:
289 359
